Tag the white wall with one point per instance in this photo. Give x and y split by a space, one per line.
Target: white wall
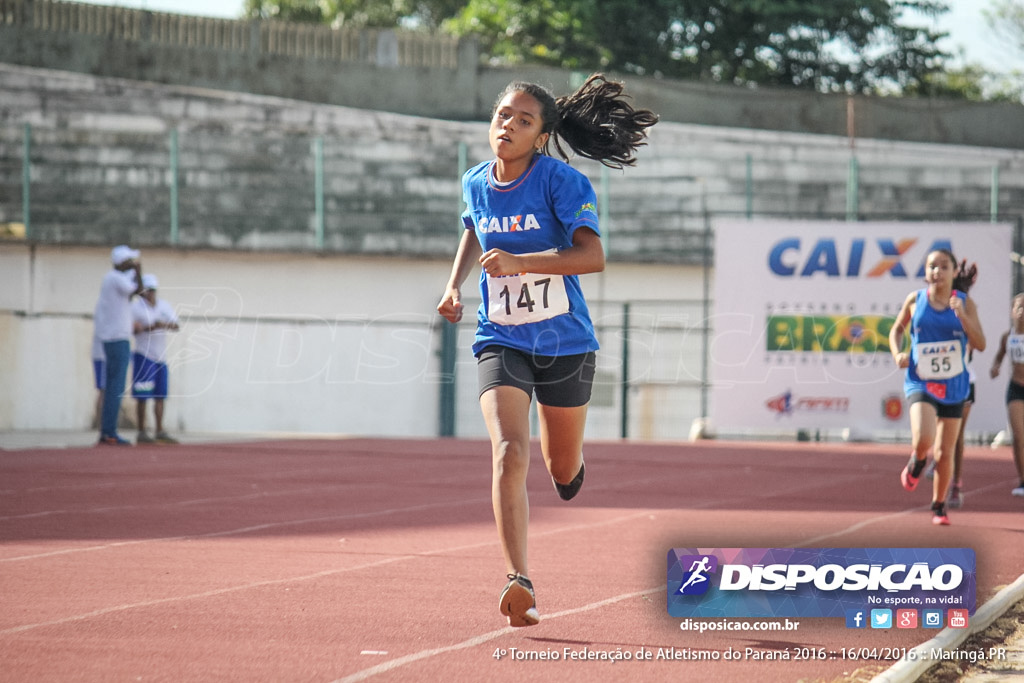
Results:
283 342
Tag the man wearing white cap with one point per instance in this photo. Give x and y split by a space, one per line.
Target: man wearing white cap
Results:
113 328
151 318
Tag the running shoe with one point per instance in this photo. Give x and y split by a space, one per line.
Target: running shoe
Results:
518 602
115 440
164 437
144 437
907 476
1019 491
569 491
956 497
939 516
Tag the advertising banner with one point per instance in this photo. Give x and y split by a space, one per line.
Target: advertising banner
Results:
803 311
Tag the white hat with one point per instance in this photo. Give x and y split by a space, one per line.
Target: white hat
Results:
122 253
149 281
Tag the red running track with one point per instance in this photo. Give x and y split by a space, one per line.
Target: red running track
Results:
364 559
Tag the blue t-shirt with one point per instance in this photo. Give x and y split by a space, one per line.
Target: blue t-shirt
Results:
540 211
938 346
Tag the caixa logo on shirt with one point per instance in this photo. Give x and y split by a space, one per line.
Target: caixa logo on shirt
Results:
520 223
816 582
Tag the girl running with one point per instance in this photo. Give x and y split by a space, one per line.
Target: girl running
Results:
965 279
1012 342
531 225
942 322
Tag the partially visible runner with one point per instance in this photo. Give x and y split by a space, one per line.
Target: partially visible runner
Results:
1012 344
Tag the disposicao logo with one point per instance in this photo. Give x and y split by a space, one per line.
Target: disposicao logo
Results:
696 580
818 582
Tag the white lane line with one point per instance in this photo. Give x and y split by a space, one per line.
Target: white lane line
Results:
307 577
393 664
902 513
272 493
253 528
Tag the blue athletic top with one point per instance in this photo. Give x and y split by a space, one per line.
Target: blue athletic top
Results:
938 346
539 211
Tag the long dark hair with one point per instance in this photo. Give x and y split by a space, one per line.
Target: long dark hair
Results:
965 277
596 121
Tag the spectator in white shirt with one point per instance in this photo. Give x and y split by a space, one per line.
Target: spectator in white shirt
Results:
113 328
152 318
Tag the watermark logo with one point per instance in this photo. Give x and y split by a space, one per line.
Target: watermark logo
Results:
696 580
858 584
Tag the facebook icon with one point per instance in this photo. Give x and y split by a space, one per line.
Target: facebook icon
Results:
856 618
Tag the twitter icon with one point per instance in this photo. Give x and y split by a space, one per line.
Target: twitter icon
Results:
881 618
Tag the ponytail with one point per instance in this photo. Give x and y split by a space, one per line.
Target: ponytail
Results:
965 277
596 121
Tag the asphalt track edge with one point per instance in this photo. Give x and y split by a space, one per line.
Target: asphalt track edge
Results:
910 669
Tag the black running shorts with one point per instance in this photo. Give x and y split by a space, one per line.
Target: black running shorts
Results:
943 409
560 381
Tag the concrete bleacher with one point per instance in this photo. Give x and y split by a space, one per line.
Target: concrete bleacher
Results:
101 169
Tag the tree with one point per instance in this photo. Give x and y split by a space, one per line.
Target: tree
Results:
357 13
856 46
840 45
1006 19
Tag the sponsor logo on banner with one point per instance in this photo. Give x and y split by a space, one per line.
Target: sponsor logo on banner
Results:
828 333
892 407
786 404
838 258
820 582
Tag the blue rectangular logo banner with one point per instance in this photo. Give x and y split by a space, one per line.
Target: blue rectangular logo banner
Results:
852 583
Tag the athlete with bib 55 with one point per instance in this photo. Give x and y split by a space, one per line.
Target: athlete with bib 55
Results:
942 323
531 224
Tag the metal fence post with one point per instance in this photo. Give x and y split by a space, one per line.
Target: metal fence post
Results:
750 185
852 181
604 218
174 186
705 341
318 164
26 181
624 419
993 202
450 336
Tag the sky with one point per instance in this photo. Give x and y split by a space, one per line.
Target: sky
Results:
968 32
